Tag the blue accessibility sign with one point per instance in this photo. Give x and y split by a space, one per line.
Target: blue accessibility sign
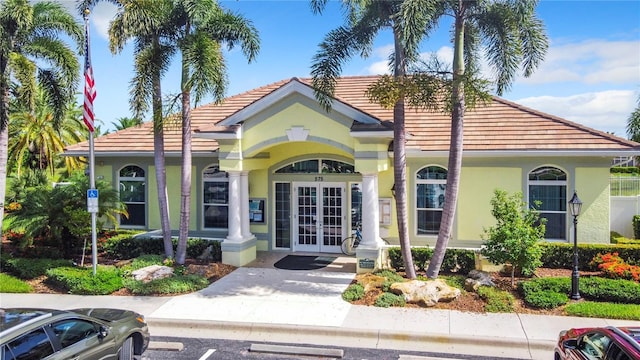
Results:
92 193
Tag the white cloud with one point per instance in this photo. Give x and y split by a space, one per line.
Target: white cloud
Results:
101 17
590 62
379 68
606 111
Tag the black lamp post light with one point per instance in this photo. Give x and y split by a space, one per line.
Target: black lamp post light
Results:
575 206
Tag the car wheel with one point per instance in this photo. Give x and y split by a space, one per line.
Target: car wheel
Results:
126 351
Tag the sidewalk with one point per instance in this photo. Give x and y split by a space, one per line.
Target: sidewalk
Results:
273 305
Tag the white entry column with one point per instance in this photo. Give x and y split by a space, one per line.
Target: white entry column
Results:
370 211
244 205
235 207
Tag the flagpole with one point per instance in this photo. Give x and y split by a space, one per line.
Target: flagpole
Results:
92 182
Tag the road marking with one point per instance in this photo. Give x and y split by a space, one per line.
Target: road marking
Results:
207 354
414 357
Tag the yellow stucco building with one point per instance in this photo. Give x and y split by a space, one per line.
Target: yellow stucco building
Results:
273 171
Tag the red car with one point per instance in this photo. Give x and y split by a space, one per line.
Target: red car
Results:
607 343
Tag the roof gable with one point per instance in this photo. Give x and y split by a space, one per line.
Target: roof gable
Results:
294 86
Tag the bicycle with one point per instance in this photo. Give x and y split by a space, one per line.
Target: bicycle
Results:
349 244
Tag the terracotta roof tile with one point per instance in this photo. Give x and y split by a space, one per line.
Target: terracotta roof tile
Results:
499 125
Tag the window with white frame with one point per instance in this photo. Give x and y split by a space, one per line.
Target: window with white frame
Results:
215 198
431 182
132 189
548 195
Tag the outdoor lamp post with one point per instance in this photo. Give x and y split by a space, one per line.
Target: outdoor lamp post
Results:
574 206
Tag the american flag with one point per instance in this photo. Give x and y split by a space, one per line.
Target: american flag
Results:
89 89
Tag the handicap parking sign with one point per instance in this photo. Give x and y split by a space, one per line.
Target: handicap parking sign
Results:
92 200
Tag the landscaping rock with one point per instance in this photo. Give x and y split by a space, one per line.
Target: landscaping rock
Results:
477 278
152 272
425 293
370 281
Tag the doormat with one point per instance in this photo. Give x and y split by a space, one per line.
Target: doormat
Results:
300 262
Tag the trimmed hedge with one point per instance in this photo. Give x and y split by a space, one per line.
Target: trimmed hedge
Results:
455 260
537 292
624 170
129 247
560 255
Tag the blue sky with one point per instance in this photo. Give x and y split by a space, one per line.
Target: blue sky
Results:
591 74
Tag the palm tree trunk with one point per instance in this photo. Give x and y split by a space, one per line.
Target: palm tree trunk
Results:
455 150
161 172
400 163
4 135
185 184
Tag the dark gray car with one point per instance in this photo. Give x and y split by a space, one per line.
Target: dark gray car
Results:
27 334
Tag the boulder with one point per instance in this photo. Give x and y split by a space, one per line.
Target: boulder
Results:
477 278
370 281
152 272
425 293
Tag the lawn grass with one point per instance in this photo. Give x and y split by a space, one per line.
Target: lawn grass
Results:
605 310
10 284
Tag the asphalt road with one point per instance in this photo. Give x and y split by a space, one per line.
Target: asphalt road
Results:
163 348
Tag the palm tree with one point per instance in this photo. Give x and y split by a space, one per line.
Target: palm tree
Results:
513 38
145 23
29 32
633 124
36 141
369 18
127 122
201 26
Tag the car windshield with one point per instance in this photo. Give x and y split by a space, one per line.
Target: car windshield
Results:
9 319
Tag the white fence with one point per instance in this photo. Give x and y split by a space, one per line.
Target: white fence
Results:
624 186
622 210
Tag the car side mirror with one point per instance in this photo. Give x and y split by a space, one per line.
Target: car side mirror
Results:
571 344
103 332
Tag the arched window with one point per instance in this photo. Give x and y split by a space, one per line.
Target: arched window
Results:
548 195
431 182
132 188
215 198
317 166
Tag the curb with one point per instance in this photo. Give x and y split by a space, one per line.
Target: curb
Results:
513 347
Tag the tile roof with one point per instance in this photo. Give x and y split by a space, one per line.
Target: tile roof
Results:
500 125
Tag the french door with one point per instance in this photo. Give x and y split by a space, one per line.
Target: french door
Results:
319 216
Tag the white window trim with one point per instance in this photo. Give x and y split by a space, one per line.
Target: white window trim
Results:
551 183
415 196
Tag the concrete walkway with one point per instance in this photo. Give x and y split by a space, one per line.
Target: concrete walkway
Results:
273 305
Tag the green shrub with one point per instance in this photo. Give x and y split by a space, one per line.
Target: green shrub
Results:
459 261
129 247
545 299
497 301
603 310
560 255
176 284
388 299
610 290
81 281
32 268
590 287
617 238
636 226
195 247
624 170
353 292
455 260
146 260
515 237
10 284
553 284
